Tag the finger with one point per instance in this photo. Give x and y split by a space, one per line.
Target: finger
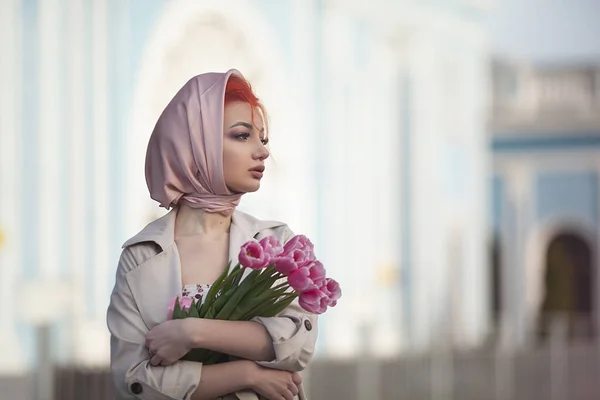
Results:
155 360
287 395
293 388
166 363
297 378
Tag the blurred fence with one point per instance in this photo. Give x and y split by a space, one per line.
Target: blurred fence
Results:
549 372
80 384
566 373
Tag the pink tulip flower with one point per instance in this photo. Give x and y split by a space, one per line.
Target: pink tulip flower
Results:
332 289
314 301
252 255
300 242
271 246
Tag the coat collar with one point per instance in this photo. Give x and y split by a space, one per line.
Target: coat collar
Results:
162 230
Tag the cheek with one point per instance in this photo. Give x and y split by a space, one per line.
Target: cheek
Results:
231 159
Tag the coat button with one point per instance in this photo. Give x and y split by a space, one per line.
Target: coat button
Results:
307 325
136 388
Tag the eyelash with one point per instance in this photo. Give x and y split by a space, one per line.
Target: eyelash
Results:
247 135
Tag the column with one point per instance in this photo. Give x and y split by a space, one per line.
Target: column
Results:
98 216
100 155
514 326
12 360
77 124
383 129
49 139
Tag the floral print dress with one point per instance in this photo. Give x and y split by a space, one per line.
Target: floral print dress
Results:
195 291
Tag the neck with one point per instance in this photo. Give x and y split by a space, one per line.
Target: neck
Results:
195 221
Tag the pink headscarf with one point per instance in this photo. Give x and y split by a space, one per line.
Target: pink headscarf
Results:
184 160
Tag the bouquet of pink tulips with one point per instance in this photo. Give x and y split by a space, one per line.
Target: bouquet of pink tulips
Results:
279 275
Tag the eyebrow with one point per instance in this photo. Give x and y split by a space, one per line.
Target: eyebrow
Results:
245 125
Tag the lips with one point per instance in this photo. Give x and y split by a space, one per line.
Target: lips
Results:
257 172
259 168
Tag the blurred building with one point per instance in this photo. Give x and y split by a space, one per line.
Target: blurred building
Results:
545 212
379 153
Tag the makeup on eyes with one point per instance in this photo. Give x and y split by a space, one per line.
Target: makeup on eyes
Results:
246 135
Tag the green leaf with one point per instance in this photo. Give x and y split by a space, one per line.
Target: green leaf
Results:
210 314
278 307
196 355
237 296
268 271
219 303
229 282
274 294
216 358
238 277
177 313
247 307
234 276
214 289
260 287
260 294
193 311
257 311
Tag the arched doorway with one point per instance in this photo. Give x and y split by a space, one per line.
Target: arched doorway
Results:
567 305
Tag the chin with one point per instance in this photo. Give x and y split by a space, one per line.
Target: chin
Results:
246 188
253 188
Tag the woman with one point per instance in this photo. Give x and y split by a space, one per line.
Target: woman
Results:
208 148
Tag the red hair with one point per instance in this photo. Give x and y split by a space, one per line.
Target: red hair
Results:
239 89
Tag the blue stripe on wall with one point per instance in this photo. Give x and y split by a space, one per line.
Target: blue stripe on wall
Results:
29 243
560 142
568 194
406 215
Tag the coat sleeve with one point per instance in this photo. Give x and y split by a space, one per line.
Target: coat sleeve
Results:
294 333
133 375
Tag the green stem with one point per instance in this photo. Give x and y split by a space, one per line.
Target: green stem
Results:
280 286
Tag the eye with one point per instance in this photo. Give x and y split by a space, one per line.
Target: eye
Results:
264 141
242 136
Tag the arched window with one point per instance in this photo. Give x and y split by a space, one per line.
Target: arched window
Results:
568 288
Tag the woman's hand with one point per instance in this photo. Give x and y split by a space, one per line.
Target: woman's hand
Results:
169 341
274 384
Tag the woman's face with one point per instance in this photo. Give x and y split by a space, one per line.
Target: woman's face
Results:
244 148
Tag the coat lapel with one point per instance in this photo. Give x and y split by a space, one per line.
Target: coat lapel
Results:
154 284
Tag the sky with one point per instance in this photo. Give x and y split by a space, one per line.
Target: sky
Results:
546 31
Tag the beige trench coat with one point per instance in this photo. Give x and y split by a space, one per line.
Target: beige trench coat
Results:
149 276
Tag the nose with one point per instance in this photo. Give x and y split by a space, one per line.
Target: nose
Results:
261 153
